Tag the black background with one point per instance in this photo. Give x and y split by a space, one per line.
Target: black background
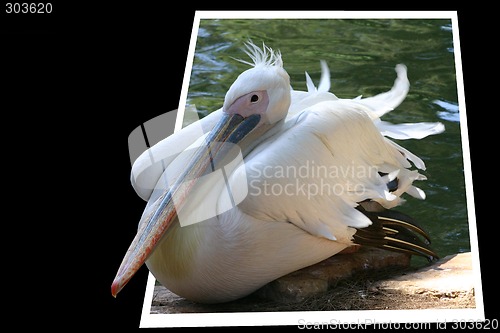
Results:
76 82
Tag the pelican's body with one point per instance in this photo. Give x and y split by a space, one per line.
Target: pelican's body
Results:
309 173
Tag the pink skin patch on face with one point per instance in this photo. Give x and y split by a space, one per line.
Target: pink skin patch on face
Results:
255 102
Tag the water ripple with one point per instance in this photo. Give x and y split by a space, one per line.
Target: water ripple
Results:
450 112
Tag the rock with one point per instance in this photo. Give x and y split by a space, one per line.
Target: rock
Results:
318 278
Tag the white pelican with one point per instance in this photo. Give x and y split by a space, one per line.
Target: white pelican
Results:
330 172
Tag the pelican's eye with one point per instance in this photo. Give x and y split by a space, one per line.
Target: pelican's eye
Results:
254 98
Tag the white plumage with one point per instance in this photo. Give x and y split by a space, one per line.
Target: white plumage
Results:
312 163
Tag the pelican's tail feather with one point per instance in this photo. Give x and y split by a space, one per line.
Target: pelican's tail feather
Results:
394 231
408 130
324 81
385 102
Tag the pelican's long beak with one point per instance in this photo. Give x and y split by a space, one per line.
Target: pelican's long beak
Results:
232 128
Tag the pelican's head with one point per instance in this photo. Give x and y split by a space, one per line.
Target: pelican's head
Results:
257 100
262 90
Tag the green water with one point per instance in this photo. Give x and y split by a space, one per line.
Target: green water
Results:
361 55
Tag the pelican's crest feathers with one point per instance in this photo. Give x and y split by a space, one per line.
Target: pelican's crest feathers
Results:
264 56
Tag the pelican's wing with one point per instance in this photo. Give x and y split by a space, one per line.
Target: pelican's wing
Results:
320 166
330 156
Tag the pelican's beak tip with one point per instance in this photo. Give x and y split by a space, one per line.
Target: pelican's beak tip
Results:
115 288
